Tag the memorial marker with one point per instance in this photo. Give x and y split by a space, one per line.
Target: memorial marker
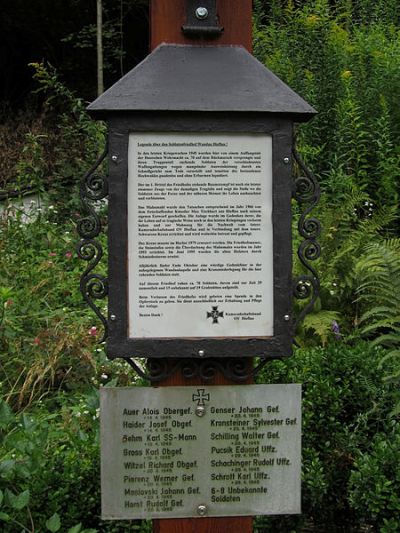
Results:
200 184
192 451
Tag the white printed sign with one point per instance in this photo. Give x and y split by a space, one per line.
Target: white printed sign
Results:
200 250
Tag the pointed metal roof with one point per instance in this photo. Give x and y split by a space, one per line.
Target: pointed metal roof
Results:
201 78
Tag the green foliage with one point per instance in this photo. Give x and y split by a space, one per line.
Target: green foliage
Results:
41 330
53 523
48 154
374 485
30 168
379 295
48 335
49 458
351 74
348 229
346 409
49 465
79 139
25 464
319 324
344 58
387 160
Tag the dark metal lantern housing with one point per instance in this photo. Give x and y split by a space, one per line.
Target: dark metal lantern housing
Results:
214 89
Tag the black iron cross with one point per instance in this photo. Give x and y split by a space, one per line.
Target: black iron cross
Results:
201 397
215 314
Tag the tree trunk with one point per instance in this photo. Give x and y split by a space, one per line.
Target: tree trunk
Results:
100 80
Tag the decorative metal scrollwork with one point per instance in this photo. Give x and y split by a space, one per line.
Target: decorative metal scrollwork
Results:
307 191
94 187
233 369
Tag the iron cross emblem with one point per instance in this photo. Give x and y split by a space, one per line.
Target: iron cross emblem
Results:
215 314
201 397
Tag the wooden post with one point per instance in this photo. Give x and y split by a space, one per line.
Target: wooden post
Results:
100 80
167 18
242 524
204 525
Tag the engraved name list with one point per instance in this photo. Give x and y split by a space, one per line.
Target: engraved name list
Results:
238 455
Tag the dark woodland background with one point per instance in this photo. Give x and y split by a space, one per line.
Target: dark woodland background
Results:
63 33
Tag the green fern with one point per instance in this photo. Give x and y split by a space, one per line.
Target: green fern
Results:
320 324
379 294
351 135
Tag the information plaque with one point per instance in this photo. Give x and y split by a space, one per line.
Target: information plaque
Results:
177 452
200 251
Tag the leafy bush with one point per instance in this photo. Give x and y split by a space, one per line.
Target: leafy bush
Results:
346 406
348 230
79 139
48 335
26 465
375 482
50 471
350 72
17 134
49 459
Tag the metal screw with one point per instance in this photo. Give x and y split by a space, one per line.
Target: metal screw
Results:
201 510
286 160
200 410
114 158
286 318
113 317
201 353
201 13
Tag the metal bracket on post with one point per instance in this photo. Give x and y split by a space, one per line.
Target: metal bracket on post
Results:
94 187
307 193
202 20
